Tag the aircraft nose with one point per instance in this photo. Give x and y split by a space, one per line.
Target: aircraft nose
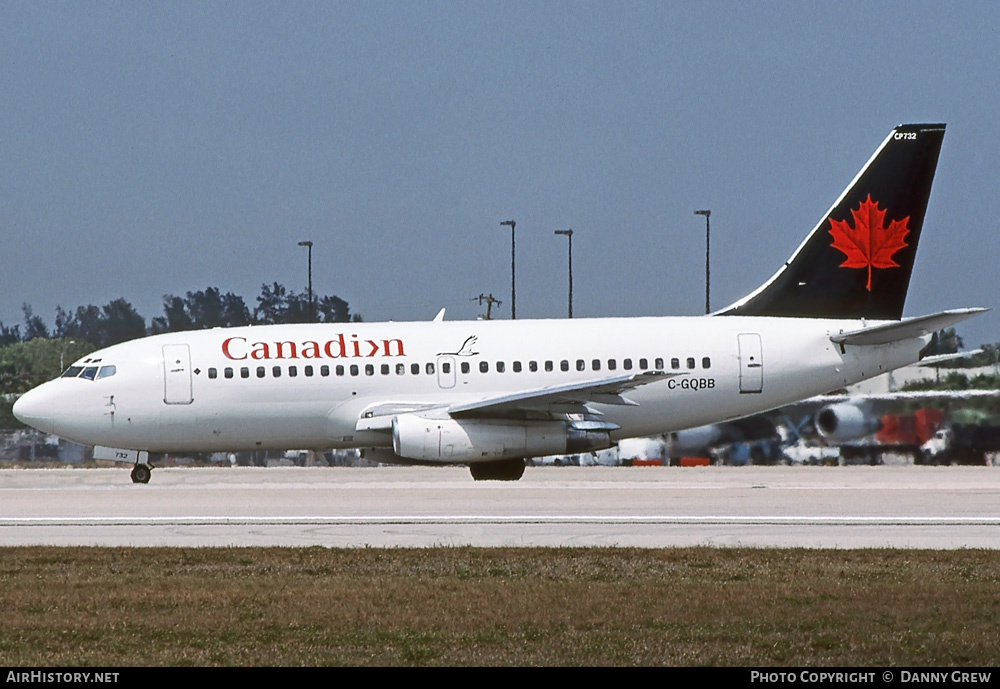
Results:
34 408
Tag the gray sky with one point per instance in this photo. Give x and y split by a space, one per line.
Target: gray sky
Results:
155 148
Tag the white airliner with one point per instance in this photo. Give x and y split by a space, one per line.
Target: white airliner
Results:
490 393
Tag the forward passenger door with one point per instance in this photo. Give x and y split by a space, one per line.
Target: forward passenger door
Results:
177 374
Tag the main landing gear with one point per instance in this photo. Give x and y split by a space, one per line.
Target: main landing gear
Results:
141 473
504 470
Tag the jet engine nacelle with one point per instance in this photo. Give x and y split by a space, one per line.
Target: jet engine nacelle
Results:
839 423
693 440
473 440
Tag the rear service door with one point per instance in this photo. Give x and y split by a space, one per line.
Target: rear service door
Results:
751 363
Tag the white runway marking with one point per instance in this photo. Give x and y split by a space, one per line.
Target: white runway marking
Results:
480 519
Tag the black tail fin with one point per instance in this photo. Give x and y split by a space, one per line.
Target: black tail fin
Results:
858 260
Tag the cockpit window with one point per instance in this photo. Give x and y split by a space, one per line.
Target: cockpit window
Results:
90 372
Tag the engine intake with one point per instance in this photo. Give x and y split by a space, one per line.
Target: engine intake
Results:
839 423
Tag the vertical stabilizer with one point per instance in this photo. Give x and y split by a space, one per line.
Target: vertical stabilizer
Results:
857 262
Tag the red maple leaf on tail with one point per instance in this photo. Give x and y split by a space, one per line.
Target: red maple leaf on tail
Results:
869 244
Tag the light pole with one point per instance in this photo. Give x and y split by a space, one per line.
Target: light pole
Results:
513 294
62 357
708 245
309 245
569 234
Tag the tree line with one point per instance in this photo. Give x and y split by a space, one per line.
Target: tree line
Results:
118 321
32 352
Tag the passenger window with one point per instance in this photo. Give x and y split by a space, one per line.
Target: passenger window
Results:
564 365
465 367
484 367
690 362
658 363
517 367
415 369
706 362
612 364
369 370
533 366
308 371
445 367
500 367
385 369
293 371
430 369
260 371
643 364
627 364
400 369
354 369
548 366
244 372
276 371
339 370
229 372
675 363
324 370
596 364
212 374
580 365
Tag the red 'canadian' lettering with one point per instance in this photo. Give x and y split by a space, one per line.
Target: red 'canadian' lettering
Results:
227 353
280 350
236 349
341 352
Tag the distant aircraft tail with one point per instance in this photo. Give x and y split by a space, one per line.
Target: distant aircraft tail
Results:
857 262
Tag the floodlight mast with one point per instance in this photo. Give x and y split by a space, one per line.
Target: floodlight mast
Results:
708 283
513 293
569 235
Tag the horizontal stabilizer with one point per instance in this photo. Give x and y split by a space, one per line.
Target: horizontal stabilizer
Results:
905 329
942 358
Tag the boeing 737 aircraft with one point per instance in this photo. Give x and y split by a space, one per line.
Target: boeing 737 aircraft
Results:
490 393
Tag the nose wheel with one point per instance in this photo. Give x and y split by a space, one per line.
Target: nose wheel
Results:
141 473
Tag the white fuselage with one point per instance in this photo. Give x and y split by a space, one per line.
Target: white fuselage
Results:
310 386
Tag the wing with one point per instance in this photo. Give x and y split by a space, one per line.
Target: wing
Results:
546 402
899 396
875 403
571 398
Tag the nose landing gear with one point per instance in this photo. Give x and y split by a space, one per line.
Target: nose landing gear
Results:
141 473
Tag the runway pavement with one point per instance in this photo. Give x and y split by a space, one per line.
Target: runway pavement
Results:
813 507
